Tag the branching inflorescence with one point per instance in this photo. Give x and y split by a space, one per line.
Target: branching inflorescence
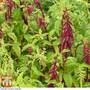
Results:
67 34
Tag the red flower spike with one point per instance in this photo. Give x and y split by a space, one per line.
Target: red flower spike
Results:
36 2
30 9
30 50
54 75
53 71
8 14
41 22
11 5
86 51
67 35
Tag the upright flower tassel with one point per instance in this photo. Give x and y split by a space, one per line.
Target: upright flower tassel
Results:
30 9
30 50
41 22
10 6
86 51
53 73
37 2
67 34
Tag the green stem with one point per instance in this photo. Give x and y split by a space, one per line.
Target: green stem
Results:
87 74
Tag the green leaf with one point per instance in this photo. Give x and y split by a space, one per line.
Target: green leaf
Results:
26 47
68 79
36 71
20 78
16 14
27 37
39 83
17 1
56 42
12 36
1 18
16 49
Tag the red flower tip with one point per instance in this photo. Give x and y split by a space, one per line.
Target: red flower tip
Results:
30 50
10 4
50 85
86 51
41 22
53 71
37 2
30 9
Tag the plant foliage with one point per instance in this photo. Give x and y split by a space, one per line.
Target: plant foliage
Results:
31 35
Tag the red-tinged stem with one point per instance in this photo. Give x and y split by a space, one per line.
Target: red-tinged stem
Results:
43 15
41 8
23 16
